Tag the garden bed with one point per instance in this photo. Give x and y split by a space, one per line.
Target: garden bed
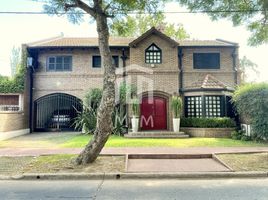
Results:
208 132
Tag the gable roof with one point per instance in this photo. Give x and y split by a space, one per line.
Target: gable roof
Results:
209 82
153 31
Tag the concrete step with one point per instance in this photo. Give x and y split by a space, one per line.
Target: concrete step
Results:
149 134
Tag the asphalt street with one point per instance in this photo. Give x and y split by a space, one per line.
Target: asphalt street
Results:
219 189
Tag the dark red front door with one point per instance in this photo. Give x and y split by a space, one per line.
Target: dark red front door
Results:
153 114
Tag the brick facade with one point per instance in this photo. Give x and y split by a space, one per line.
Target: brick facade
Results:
224 74
165 77
76 82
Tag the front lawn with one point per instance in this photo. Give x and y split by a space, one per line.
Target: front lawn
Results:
59 164
246 162
116 141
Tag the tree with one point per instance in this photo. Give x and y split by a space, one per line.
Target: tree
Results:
14 60
134 26
101 11
251 13
247 68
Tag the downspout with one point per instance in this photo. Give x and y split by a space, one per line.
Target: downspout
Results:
180 76
124 57
31 99
234 56
180 55
31 86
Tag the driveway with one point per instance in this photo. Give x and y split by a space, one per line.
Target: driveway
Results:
39 140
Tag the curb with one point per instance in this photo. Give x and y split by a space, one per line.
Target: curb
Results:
113 176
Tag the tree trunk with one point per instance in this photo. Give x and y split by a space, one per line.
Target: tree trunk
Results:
104 125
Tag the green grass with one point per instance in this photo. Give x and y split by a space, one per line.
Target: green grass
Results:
116 141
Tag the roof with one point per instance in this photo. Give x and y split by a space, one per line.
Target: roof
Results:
217 42
209 82
154 31
125 41
79 42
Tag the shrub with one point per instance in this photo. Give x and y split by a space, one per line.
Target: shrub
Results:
93 98
176 105
15 84
251 102
208 122
237 135
135 107
86 120
246 138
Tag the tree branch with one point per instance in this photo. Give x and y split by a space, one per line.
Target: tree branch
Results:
80 4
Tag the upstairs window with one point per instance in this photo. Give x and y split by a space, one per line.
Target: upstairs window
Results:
153 55
116 61
59 63
206 60
96 61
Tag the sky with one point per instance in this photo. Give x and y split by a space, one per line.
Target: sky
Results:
18 29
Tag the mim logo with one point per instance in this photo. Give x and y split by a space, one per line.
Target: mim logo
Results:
149 121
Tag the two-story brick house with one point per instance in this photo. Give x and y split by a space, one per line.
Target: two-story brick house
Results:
204 73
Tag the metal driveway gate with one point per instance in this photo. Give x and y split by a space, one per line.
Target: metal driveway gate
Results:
56 112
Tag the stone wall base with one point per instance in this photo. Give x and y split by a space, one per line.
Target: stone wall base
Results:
12 134
208 132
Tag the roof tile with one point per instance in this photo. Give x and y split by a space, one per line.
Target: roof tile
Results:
209 82
114 41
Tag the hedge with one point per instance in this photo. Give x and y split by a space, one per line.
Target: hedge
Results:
16 84
220 122
251 101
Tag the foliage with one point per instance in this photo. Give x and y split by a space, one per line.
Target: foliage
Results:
219 122
119 117
126 91
14 60
16 83
176 104
237 135
134 26
135 107
248 68
251 101
114 9
86 120
246 138
93 98
252 14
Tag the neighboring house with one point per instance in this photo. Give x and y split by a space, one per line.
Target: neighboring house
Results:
203 73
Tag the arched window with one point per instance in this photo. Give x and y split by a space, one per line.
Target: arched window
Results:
153 55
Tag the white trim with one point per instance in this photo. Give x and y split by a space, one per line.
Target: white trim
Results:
12 134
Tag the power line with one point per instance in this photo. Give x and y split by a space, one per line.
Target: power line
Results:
166 12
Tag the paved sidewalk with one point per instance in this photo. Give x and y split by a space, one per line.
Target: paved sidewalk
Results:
129 150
